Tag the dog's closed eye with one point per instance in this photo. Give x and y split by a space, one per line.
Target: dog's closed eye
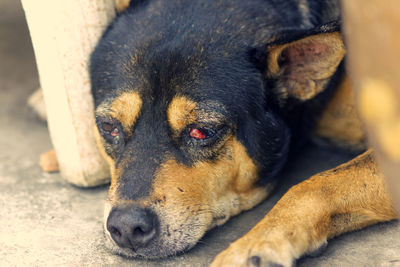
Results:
110 130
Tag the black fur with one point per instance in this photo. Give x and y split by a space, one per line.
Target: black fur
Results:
208 51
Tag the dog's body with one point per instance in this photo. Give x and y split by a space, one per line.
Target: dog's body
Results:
199 104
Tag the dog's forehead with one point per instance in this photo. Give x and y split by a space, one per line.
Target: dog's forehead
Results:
159 71
176 78
177 82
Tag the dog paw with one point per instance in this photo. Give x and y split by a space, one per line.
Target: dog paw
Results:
254 252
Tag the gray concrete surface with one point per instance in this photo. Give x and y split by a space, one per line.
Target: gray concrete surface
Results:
44 221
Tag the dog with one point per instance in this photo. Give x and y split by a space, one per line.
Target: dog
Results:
200 103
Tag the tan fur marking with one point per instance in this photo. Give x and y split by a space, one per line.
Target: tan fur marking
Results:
311 61
340 123
126 108
346 198
227 185
121 5
181 112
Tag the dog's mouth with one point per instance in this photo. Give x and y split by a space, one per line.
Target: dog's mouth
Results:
158 229
158 250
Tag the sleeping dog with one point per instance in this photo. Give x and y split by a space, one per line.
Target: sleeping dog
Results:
198 106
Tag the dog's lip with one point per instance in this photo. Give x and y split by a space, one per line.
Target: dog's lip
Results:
159 250
141 253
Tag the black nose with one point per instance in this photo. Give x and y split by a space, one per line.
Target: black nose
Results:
132 227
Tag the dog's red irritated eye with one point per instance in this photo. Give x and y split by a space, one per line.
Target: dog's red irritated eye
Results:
114 132
197 134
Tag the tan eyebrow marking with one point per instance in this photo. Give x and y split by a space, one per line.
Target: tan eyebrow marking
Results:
181 112
126 109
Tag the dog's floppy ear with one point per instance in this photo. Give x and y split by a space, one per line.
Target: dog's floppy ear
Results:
301 63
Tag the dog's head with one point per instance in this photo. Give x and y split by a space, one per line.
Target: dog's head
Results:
195 135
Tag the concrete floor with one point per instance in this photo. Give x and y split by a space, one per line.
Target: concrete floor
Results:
47 222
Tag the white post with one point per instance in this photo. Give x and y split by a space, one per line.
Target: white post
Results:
64 33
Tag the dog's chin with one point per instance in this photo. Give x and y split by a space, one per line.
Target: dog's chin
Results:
158 250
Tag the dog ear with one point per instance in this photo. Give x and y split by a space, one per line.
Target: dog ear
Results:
301 63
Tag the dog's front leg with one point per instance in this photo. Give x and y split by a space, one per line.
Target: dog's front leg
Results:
346 198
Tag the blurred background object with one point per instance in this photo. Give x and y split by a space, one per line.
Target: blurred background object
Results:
371 29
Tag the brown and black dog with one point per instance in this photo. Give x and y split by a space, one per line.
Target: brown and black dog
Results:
198 106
